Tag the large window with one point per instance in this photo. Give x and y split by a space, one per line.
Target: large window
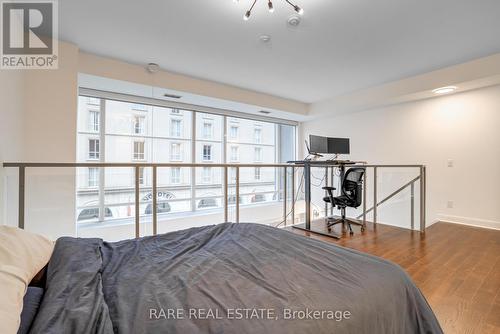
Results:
114 131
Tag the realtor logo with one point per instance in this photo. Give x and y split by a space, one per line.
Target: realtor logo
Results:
29 35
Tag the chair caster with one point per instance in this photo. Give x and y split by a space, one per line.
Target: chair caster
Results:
362 229
351 233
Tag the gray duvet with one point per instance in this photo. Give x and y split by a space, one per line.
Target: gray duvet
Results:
228 278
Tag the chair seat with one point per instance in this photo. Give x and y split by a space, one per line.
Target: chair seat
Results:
340 200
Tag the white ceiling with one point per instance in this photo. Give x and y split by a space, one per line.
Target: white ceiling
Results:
340 46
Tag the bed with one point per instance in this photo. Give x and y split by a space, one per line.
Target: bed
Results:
227 278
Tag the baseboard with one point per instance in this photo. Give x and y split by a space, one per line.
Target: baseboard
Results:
484 223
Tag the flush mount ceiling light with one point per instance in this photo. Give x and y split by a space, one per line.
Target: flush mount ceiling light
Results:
444 90
270 6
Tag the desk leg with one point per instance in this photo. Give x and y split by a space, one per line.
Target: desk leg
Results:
342 174
307 190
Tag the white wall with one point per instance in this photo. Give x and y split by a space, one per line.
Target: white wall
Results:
12 89
48 134
463 127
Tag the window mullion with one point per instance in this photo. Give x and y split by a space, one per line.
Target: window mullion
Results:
102 146
193 159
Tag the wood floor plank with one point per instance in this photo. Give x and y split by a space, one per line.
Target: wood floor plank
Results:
456 267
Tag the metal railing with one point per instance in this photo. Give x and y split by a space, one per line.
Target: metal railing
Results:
137 186
421 178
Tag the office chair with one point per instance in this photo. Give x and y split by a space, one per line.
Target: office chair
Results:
352 192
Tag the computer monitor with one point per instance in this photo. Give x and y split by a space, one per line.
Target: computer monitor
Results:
338 146
328 145
318 144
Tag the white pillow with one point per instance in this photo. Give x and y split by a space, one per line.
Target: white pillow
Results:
22 256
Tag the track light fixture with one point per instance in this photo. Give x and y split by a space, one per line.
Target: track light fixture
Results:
270 6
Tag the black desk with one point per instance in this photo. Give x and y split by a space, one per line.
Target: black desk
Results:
307 164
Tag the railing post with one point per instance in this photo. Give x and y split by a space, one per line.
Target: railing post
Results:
155 211
332 184
22 178
293 195
225 195
137 172
375 195
326 193
284 195
364 198
422 198
412 205
237 194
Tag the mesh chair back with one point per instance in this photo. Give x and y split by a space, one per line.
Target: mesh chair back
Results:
352 186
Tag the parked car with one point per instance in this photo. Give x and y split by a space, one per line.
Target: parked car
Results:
160 208
93 213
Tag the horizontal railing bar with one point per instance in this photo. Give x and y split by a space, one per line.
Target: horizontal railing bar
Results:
139 164
186 164
392 195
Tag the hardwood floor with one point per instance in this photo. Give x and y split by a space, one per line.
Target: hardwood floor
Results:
456 267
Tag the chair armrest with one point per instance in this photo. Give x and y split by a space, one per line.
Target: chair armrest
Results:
329 188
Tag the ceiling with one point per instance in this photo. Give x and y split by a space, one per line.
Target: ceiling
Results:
340 46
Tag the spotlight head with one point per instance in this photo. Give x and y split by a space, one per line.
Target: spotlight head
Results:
299 10
247 16
271 7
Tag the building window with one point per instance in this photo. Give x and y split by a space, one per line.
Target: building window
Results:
234 153
138 150
175 175
94 120
233 132
258 154
94 149
206 176
140 107
207 130
232 174
207 152
139 125
175 152
257 135
257 174
93 101
141 175
175 127
93 180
